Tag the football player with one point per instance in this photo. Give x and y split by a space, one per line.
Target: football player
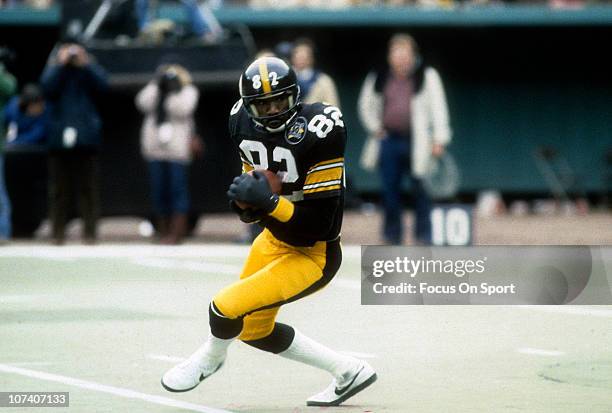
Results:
298 252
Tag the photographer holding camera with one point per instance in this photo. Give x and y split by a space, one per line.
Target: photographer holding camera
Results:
73 83
8 84
168 142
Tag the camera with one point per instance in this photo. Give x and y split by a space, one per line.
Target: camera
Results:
72 52
170 81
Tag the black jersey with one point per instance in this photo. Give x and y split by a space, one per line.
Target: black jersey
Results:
308 155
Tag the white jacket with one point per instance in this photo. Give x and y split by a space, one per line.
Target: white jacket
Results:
324 90
173 143
429 121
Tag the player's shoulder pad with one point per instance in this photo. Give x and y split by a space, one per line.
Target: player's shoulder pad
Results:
235 117
310 110
323 120
236 109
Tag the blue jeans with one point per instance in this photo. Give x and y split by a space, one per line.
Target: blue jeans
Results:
169 187
197 22
394 162
5 205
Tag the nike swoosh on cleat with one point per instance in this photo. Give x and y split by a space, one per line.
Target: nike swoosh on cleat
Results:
350 393
345 388
202 376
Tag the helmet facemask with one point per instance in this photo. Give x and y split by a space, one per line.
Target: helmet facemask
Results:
275 110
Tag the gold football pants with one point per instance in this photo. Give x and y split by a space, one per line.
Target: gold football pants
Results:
276 273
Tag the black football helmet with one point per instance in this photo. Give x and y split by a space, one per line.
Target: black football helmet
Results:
270 78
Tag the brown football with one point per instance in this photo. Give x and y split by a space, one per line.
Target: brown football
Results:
274 181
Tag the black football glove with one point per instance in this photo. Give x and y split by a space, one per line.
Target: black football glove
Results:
247 215
253 189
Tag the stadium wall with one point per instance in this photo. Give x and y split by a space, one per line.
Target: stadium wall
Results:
511 85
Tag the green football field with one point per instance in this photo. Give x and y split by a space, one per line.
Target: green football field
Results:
103 323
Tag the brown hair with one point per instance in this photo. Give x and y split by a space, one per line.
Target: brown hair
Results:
404 38
304 41
307 42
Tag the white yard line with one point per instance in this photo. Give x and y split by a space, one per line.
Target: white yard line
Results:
540 352
124 251
155 256
117 391
70 252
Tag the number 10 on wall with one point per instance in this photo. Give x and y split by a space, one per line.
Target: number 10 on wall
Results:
451 225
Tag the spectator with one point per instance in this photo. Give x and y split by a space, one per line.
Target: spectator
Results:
404 110
7 88
27 118
202 21
282 50
169 102
315 86
73 83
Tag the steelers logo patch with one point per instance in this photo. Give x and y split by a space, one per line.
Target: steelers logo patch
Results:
296 132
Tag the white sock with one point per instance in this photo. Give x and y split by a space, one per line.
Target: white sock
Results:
307 351
213 349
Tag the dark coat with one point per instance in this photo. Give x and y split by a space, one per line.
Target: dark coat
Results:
72 93
31 130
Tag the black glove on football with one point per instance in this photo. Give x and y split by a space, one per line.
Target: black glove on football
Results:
248 215
253 189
